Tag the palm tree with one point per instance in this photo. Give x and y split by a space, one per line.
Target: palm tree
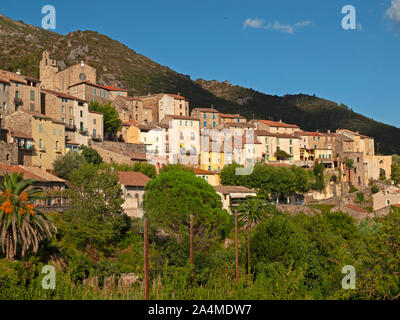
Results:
21 223
251 212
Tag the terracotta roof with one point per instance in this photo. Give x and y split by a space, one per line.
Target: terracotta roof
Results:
396 205
111 88
209 110
308 133
175 96
128 178
19 134
98 86
356 208
4 80
201 171
30 173
238 125
181 117
60 94
130 98
278 124
264 133
233 189
231 116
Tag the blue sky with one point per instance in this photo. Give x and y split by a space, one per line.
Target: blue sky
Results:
287 46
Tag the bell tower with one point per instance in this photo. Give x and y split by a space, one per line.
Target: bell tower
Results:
48 71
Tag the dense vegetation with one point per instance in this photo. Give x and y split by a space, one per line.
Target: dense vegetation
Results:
292 257
22 46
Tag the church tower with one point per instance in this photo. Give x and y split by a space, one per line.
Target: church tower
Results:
48 71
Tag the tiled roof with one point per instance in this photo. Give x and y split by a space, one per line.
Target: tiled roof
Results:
233 189
201 171
176 96
98 86
4 80
181 117
231 116
19 134
38 174
308 133
356 208
278 124
60 94
210 110
128 178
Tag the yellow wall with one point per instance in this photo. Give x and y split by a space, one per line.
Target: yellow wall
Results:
44 156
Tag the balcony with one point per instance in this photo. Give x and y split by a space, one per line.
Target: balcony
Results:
70 127
96 137
57 150
41 148
83 131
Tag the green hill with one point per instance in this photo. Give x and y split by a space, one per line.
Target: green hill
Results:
116 64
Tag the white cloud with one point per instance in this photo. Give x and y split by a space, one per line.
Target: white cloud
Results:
394 11
259 23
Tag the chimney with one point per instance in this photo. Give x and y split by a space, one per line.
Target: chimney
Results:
19 71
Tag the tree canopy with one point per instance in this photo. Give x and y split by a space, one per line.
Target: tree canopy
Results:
112 122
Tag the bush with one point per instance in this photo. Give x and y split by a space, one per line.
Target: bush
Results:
374 189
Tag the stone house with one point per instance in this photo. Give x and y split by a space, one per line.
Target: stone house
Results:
133 184
47 137
389 196
209 117
275 126
233 196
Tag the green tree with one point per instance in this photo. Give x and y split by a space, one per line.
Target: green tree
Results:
112 122
173 196
250 213
302 179
21 223
96 219
144 167
318 170
175 167
282 155
229 176
360 197
395 175
64 165
91 155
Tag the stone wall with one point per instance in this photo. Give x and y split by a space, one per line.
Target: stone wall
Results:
8 153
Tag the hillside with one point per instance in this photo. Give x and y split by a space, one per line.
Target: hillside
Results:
116 64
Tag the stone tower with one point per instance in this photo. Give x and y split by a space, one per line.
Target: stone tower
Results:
48 71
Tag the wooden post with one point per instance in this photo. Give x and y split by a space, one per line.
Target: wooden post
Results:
146 261
191 244
236 248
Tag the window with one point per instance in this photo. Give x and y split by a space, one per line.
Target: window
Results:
32 95
63 120
17 94
32 107
60 133
94 132
205 124
70 110
277 140
40 143
186 123
81 126
62 109
180 122
214 124
94 121
57 145
266 140
81 114
291 150
191 123
64 100
40 128
71 122
54 132
204 116
181 136
213 116
95 91
100 92
290 141
192 136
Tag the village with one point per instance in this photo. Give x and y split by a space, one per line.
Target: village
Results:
44 119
